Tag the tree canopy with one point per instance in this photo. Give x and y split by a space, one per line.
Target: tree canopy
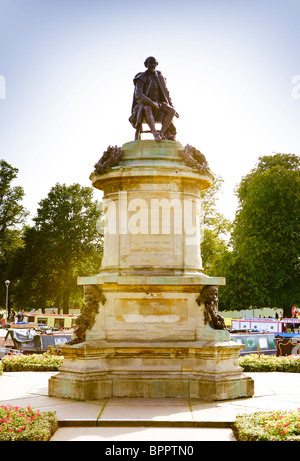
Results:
261 262
264 266
12 217
215 230
63 244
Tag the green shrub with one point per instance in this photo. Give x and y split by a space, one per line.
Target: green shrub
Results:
34 362
26 424
268 426
1 368
263 363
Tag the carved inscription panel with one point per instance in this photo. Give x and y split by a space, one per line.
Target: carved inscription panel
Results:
151 310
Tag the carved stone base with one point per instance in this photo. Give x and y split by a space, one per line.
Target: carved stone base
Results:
152 334
207 372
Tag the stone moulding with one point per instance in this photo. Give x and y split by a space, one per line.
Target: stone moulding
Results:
93 371
156 161
150 337
189 156
148 280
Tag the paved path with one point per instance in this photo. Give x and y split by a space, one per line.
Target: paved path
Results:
124 419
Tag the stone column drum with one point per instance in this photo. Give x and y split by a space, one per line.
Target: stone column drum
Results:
150 337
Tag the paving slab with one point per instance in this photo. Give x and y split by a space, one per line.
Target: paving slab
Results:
152 412
148 419
142 434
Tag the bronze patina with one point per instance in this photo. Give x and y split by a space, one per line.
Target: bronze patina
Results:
209 297
152 103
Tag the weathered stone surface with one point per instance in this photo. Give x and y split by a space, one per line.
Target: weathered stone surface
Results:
208 371
152 210
150 339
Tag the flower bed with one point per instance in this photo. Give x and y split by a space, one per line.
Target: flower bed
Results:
26 424
263 363
34 362
268 426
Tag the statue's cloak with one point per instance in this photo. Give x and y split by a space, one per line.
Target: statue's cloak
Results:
142 83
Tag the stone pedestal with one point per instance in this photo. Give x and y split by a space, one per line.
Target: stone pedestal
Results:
149 338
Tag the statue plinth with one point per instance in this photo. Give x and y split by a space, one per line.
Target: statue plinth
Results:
151 337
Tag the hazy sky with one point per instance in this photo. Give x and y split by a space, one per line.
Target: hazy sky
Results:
66 71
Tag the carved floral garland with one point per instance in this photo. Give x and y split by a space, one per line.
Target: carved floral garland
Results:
195 159
110 158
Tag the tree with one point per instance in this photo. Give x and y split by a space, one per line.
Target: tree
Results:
264 267
12 217
62 245
215 230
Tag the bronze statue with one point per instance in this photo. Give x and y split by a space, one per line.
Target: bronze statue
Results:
86 319
152 103
195 159
209 297
110 158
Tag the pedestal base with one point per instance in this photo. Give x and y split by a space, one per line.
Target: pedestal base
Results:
152 336
207 372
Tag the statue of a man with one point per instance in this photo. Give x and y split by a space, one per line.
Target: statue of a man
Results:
152 102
